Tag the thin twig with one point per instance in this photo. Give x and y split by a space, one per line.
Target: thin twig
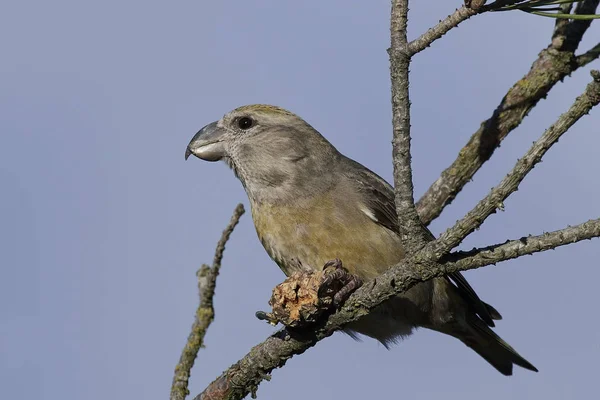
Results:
235 218
207 280
552 66
452 21
436 32
588 56
411 230
495 199
243 377
524 246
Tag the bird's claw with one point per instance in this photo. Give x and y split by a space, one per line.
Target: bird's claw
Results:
337 281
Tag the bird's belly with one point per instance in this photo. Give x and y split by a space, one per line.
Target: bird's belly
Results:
299 238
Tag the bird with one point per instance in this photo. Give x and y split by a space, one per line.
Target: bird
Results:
310 204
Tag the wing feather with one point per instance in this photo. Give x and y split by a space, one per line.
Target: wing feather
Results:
378 196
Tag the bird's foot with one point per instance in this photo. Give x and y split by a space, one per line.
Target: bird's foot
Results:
305 296
338 282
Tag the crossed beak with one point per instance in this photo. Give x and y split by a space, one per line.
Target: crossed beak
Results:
208 144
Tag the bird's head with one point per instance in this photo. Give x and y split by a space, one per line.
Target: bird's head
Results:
269 149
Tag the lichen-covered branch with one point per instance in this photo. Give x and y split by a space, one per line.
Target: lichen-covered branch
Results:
207 280
410 228
526 245
495 199
243 377
552 66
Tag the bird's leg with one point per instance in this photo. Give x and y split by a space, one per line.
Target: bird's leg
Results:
337 279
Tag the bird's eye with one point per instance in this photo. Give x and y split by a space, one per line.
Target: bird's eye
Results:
245 123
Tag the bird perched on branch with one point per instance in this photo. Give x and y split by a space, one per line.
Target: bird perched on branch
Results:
311 204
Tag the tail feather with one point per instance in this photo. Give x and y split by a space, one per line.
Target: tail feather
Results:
493 349
492 311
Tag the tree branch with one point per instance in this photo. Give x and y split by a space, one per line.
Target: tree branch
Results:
552 66
526 245
561 25
577 28
588 56
471 8
436 32
494 200
207 280
411 230
243 377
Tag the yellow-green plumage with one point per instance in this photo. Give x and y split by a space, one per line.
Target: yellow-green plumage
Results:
323 228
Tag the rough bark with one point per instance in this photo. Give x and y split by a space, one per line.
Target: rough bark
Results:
411 229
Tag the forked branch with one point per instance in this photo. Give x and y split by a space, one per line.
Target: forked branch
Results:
552 66
524 246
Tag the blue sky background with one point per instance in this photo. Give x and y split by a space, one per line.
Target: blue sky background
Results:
103 224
